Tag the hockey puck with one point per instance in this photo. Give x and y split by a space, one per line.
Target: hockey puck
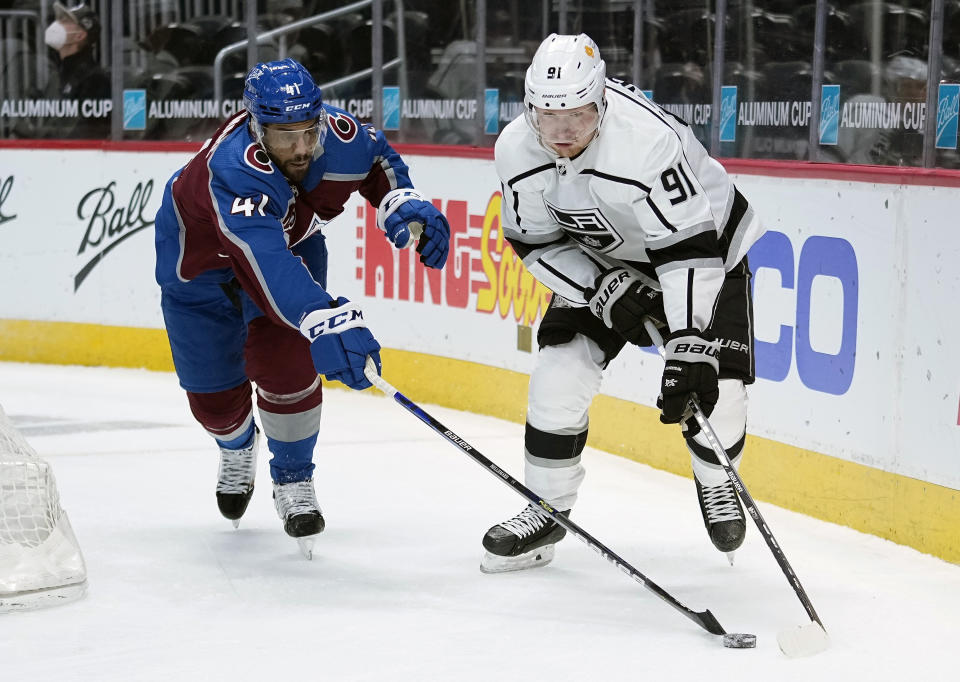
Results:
739 640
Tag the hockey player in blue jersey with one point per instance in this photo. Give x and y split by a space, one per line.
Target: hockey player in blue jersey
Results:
241 264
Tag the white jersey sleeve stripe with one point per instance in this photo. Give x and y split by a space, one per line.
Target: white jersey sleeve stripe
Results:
676 237
691 263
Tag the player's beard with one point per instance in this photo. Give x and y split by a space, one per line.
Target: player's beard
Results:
296 168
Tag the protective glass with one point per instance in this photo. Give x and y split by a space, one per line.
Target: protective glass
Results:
289 141
576 126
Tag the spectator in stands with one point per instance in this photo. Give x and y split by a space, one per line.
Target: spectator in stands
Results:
78 76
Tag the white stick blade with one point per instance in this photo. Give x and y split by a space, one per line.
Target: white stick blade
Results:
803 640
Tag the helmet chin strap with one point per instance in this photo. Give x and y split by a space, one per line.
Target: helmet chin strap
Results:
256 129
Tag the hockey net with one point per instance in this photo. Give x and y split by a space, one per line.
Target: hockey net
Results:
40 560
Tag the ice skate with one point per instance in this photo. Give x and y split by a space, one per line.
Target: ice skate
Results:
525 541
238 468
722 516
297 507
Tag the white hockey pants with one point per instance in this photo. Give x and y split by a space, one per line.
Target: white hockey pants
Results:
563 383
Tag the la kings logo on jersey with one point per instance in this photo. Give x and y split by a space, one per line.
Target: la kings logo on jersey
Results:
587 226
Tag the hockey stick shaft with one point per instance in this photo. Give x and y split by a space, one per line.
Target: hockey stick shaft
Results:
741 488
704 619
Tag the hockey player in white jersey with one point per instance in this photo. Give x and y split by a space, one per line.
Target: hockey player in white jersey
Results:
614 205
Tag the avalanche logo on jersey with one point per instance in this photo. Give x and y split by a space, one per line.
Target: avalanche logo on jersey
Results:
587 226
255 157
342 126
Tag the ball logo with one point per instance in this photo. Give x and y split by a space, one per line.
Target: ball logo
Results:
111 219
5 188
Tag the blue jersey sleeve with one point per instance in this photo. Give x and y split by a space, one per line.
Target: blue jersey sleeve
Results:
358 157
388 171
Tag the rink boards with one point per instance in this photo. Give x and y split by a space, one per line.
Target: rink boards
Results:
854 417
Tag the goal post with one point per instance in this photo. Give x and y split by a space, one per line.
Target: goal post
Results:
40 560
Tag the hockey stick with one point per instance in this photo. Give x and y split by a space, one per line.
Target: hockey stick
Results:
704 619
803 640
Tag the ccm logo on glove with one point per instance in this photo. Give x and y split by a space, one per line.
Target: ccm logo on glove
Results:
333 321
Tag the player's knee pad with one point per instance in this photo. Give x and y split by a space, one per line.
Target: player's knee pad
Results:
226 415
729 421
563 382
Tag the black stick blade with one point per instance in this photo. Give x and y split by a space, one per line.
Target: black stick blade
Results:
709 623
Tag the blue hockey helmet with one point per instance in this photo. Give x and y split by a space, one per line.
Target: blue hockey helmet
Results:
281 92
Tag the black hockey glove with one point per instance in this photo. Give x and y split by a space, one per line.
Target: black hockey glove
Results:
691 363
622 301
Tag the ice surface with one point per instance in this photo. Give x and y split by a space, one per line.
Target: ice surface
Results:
394 590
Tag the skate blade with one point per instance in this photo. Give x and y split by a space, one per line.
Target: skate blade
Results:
494 563
803 640
730 557
306 546
236 523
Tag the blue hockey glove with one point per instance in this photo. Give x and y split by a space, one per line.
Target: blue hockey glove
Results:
434 244
340 343
405 218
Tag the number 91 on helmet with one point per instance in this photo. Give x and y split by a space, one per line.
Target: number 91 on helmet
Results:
564 93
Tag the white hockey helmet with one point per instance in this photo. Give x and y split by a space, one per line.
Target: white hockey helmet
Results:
566 73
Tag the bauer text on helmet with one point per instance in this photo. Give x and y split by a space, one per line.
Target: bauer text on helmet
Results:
564 92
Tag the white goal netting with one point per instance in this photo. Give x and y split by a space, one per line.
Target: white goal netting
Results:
40 560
